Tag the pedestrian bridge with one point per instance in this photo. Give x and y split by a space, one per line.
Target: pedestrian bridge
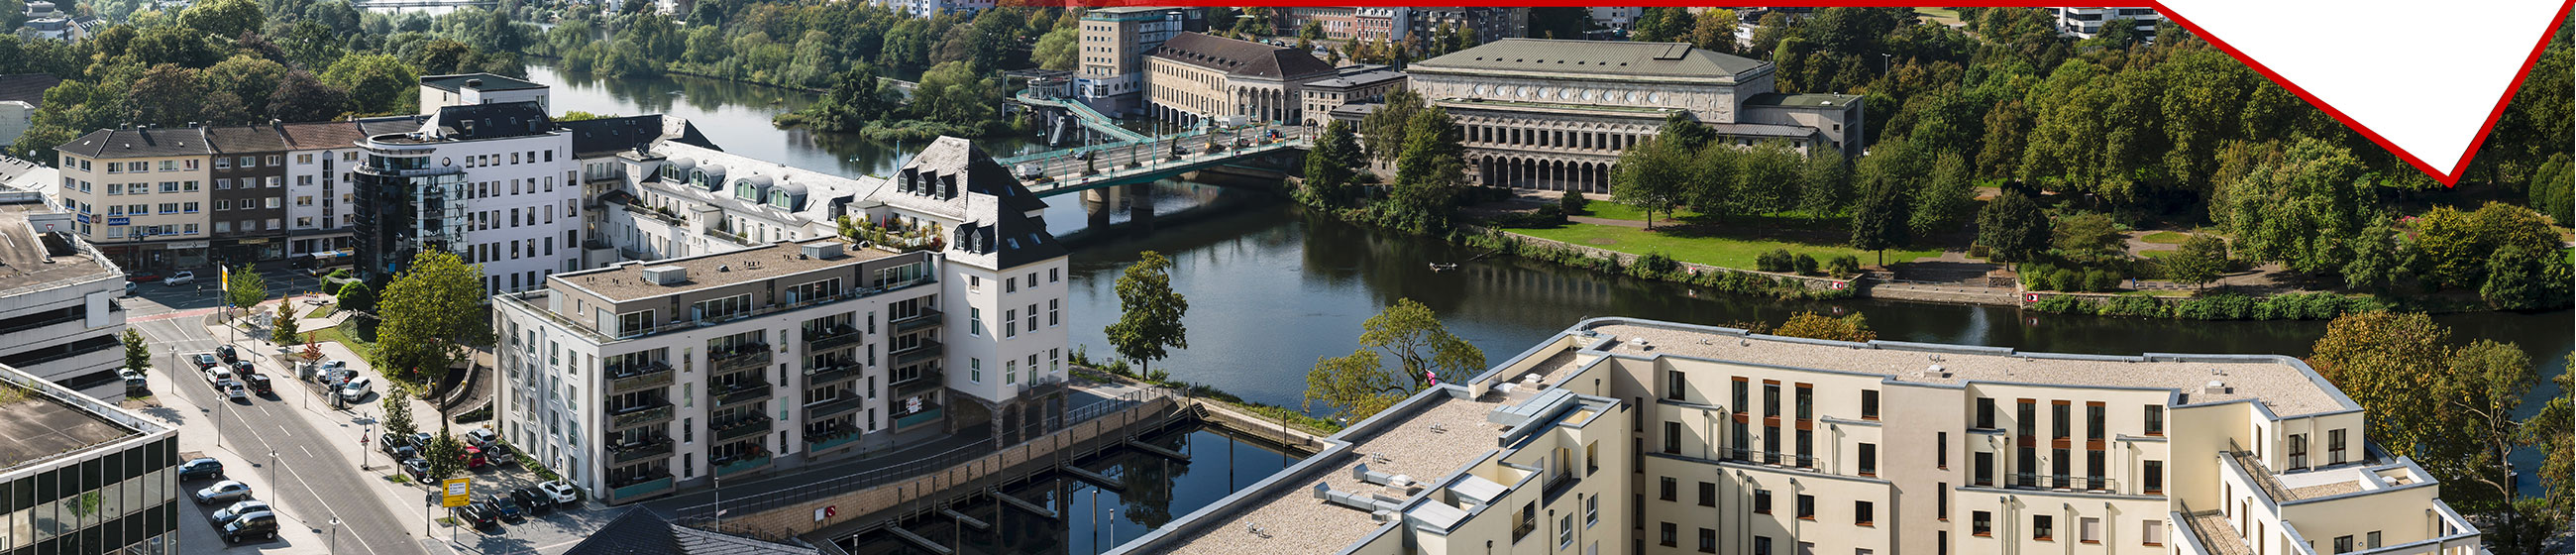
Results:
1150 159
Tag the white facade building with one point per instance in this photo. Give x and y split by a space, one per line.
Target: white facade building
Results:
2086 22
59 317
495 183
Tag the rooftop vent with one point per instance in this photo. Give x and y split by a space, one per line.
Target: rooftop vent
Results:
2216 387
474 82
666 275
826 250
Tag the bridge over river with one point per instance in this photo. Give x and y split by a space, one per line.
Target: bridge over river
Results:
1149 159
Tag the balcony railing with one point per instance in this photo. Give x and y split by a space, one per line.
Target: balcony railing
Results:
659 411
745 357
742 428
639 488
739 466
2051 481
927 414
927 380
833 373
833 338
743 392
820 442
927 318
640 376
634 452
534 301
925 350
833 407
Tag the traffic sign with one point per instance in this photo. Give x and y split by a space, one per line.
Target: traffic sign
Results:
828 511
460 492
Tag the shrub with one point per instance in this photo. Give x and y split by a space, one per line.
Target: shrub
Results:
1843 266
2066 279
2063 304
1806 265
1778 260
2134 304
1573 203
2098 279
1978 251
1657 262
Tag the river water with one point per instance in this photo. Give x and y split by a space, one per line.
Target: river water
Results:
1271 288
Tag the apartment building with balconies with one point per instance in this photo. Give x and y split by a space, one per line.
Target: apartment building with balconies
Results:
231 194
1753 444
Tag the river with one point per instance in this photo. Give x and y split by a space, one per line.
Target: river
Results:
1271 288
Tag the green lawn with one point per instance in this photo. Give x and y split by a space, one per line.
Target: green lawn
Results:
2157 254
2166 237
1614 211
366 350
1943 16
1715 251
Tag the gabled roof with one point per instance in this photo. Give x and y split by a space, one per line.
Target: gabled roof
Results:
453 83
27 87
345 134
1244 58
1000 236
1590 57
603 136
247 138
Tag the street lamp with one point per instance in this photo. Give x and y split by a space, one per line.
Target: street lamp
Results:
335 535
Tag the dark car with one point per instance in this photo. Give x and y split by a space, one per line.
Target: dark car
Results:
536 502
207 360
396 444
254 526
258 383
146 277
204 468
416 467
478 515
229 355
503 507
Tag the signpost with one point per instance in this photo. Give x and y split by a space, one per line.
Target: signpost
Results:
459 492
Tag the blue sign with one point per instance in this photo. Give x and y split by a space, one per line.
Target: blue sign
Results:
84 218
118 221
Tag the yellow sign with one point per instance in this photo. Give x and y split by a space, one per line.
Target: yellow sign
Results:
460 492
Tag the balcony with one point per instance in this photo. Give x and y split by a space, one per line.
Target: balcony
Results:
830 440
640 376
832 338
834 373
640 488
926 319
926 350
742 428
835 407
742 465
2024 480
535 303
638 452
657 412
743 392
927 414
929 379
746 357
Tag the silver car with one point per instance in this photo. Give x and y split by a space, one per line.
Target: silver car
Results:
226 516
227 490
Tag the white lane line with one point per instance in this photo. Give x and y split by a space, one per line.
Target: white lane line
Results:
308 488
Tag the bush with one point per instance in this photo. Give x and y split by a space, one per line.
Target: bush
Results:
1573 203
1843 266
1778 260
2101 280
1806 265
2066 279
1658 263
2063 304
476 415
1978 251
2134 304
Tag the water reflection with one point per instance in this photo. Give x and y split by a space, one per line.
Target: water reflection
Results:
1150 492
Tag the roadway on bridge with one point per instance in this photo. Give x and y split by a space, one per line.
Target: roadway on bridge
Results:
1064 169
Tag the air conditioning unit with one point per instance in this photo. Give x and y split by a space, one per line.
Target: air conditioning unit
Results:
666 275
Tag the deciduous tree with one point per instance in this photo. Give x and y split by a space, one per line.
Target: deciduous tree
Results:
2387 362
244 288
1150 312
1817 326
2200 261
2013 227
1654 176
1411 335
1355 386
428 319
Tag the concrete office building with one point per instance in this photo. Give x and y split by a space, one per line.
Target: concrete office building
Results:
83 476
59 317
1555 114
1114 40
1196 77
2086 22
1753 444
756 340
1358 84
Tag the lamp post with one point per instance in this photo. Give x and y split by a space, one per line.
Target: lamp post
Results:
335 535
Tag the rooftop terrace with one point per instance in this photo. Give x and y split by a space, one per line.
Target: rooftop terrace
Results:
626 282
31 258
1427 446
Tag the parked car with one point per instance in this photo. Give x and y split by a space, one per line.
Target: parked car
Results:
477 515
474 458
217 375
402 452
134 379
416 467
239 509
254 526
146 277
180 278
129 288
207 360
355 390
388 442
481 437
251 377
233 390
563 493
536 502
227 353
503 507
227 490
498 454
201 468
421 439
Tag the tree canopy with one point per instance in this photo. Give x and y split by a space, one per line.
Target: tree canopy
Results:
423 331
1149 312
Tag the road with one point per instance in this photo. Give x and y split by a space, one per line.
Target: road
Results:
1068 167
309 476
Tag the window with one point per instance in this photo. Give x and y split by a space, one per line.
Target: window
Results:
1771 401
1564 531
2151 532
2155 420
1806 507
2153 477
1011 285
1761 545
975 370
2088 530
1869 459
1055 312
2373 542
1707 540
1806 402
2042 527
1591 458
1869 404
2093 421
1591 510
1707 494
2334 447
974 320
1762 501
2061 419
1864 513
1674 384
1671 489
1010 323
1672 437
1981 523
1941 450
1986 414
1743 395
1941 502
2298 451
1667 537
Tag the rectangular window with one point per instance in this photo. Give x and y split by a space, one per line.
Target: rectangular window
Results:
1671 489
1707 494
1869 459
1985 413
1770 400
2155 420
1864 514
1806 402
1674 384
1762 501
1743 395
2093 421
1707 540
2043 527
1981 523
1667 538
2061 419
2151 532
1672 438
1010 323
1869 404
2298 451
1806 507
1941 450
1985 468
2334 447
2088 530
1055 312
1941 502
2153 477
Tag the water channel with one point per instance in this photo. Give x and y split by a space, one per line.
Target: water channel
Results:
1272 288
1148 492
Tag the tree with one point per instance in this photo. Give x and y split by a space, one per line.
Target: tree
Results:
1572 203
138 355
1428 175
1058 49
2304 210
2384 361
1766 176
2013 227
301 97
223 18
446 456
2481 388
1811 325
426 320
1824 184
1384 129
2200 261
356 296
284 332
166 94
2553 432
2089 237
1421 346
397 417
244 288
2516 278
1330 167
1654 177
1149 316
1715 31
1878 222
1948 198
377 83
2376 263
1356 386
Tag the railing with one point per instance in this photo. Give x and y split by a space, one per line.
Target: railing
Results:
745 427
743 392
927 414
740 465
833 373
837 337
831 440
638 488
660 412
927 318
657 215
1557 486
651 375
833 407
628 453
747 357
926 349
531 301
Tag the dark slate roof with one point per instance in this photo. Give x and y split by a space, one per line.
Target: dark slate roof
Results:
1245 58
601 136
345 134
248 138
138 143
492 121
640 532
1011 237
451 83
28 87
1590 57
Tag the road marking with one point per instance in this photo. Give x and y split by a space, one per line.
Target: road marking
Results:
308 451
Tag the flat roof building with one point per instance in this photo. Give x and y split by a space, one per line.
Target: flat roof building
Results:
1714 440
83 475
60 317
